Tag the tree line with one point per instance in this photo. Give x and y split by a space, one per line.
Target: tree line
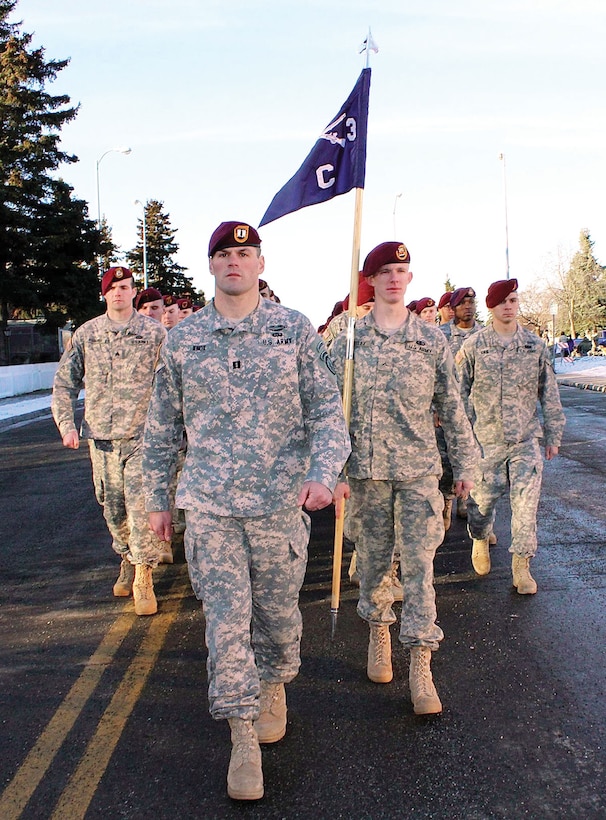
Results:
571 293
51 251
50 248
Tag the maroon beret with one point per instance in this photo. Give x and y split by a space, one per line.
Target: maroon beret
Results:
184 303
231 235
499 291
147 295
366 293
459 294
412 305
170 300
444 299
423 303
114 275
385 254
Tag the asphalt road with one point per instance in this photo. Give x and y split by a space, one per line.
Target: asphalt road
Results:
104 714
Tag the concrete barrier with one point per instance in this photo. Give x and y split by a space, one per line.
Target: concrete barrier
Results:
19 379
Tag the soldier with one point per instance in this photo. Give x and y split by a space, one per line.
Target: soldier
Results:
170 315
186 307
339 322
150 303
116 354
462 324
445 312
505 369
426 310
255 388
401 367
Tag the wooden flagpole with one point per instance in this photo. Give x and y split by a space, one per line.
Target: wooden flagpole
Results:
337 559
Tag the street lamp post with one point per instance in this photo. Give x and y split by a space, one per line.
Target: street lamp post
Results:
502 158
138 202
109 151
395 205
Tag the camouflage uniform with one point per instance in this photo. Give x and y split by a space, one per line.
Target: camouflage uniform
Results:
262 415
501 387
456 336
118 368
394 466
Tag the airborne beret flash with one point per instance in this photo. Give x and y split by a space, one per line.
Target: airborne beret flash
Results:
185 303
386 253
499 291
233 235
170 300
459 294
114 275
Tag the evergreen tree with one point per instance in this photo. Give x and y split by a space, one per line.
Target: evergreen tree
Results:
47 243
583 290
163 272
109 251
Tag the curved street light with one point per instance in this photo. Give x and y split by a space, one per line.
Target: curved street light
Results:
109 151
502 158
138 202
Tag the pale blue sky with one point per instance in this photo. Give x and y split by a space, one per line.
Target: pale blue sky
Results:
221 103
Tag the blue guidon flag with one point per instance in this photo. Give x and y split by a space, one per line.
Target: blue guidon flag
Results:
336 163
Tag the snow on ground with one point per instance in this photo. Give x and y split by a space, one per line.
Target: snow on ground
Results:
589 366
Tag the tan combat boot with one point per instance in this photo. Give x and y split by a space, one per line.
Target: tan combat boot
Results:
492 539
378 667
124 584
245 775
271 723
480 556
143 591
396 586
354 578
522 579
447 513
423 693
166 553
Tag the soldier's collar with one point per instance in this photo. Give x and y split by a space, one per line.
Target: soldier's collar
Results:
253 323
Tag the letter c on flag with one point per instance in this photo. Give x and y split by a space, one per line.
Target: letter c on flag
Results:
324 182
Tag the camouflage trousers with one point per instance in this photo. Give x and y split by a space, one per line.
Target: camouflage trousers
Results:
447 478
404 517
178 515
248 572
118 481
517 468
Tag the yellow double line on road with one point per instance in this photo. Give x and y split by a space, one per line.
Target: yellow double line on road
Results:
81 787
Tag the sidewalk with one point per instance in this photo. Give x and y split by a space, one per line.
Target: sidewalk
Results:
21 409
587 373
